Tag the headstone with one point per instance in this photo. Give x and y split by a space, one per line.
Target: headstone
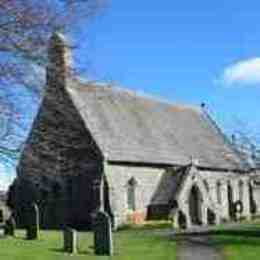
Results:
182 220
9 228
1 215
32 230
70 240
103 241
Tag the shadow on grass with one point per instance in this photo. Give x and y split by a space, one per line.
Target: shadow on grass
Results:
236 240
147 226
222 238
226 232
79 252
57 250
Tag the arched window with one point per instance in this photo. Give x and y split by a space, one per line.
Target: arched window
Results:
131 194
241 190
219 196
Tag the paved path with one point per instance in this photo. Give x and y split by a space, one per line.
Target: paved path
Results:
204 230
197 248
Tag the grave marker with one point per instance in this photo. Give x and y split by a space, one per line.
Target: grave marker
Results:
10 225
32 230
103 242
70 240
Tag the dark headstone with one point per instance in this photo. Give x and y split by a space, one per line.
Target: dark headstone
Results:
182 220
32 230
103 241
70 240
1 215
9 228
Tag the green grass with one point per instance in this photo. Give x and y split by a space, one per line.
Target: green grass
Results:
240 246
129 245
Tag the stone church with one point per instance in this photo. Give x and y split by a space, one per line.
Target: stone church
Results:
93 146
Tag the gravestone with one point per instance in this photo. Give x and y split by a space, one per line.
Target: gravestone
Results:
9 228
1 216
70 240
32 230
103 241
182 220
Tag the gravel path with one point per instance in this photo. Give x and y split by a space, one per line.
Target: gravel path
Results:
197 248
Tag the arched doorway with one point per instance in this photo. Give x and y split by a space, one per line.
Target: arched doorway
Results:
195 203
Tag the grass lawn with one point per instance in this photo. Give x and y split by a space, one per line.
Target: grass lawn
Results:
129 245
240 247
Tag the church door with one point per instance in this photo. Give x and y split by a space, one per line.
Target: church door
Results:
195 205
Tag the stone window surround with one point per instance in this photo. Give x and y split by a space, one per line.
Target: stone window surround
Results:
131 196
240 190
219 192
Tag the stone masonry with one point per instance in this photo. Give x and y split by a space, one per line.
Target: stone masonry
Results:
93 147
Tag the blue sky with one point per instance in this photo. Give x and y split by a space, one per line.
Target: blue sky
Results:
184 51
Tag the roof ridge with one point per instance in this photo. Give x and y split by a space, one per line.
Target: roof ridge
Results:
139 94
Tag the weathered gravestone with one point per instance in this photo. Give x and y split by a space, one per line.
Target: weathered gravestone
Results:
181 220
70 240
103 241
32 230
1 215
9 228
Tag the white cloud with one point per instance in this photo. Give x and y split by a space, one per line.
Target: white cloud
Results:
245 72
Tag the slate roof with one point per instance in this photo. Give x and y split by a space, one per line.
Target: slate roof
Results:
132 128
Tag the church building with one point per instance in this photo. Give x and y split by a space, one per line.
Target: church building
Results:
97 147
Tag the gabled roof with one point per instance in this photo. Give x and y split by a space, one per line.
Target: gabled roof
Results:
131 128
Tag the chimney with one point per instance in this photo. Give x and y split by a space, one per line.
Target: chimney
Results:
60 61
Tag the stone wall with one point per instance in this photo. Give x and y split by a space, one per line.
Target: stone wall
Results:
207 182
154 189
256 191
255 187
60 162
225 178
5 212
157 187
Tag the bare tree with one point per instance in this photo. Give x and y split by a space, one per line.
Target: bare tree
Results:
25 29
246 139
8 117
